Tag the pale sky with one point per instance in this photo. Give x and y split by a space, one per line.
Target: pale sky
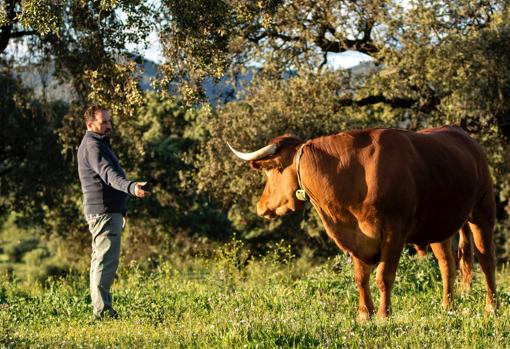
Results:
154 51
342 60
346 59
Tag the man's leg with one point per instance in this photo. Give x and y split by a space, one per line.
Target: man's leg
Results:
106 232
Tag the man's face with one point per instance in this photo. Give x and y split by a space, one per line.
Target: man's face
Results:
102 125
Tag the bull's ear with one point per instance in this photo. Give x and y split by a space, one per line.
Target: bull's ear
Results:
264 164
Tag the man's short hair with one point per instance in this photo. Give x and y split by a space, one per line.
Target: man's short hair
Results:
90 113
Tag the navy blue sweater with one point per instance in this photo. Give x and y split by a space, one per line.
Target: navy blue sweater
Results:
103 181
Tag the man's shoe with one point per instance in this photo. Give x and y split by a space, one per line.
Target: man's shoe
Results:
107 314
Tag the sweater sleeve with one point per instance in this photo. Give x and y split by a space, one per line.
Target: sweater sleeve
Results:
103 166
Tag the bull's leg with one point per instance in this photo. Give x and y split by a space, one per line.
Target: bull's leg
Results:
465 255
484 249
362 276
444 255
421 250
481 224
391 249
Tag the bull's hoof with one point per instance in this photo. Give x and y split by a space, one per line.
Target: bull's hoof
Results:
447 305
490 310
363 316
383 314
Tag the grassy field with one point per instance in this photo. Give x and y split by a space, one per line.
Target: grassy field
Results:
228 301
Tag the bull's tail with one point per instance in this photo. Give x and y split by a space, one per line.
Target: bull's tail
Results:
465 258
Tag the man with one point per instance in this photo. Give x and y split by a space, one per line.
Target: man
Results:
105 190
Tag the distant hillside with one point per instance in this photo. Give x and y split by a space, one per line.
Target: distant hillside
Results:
42 80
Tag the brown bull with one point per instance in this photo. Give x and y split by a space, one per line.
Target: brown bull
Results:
376 190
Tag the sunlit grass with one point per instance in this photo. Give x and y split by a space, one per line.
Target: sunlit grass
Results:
231 302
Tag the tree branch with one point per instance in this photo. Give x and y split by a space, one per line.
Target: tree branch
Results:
19 34
5 36
371 100
398 102
6 30
363 45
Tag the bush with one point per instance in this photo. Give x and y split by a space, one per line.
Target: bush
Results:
36 256
16 250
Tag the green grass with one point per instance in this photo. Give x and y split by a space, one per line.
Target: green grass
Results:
231 302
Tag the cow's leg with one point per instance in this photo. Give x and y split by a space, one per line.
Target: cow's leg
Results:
481 228
465 255
444 255
481 223
391 249
421 250
362 276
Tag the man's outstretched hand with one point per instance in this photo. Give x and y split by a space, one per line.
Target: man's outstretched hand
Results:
139 192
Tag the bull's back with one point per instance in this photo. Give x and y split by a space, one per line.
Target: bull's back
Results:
428 180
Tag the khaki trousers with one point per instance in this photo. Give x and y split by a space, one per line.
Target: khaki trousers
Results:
106 230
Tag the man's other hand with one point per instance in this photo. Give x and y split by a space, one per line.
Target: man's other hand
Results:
139 192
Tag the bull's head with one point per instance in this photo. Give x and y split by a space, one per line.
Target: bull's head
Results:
276 160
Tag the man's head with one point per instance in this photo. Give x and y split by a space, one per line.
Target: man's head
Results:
97 120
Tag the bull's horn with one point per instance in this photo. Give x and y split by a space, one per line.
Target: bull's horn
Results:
258 154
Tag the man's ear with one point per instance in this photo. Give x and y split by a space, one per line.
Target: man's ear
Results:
265 164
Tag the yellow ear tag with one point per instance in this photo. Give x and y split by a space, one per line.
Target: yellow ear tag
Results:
301 195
